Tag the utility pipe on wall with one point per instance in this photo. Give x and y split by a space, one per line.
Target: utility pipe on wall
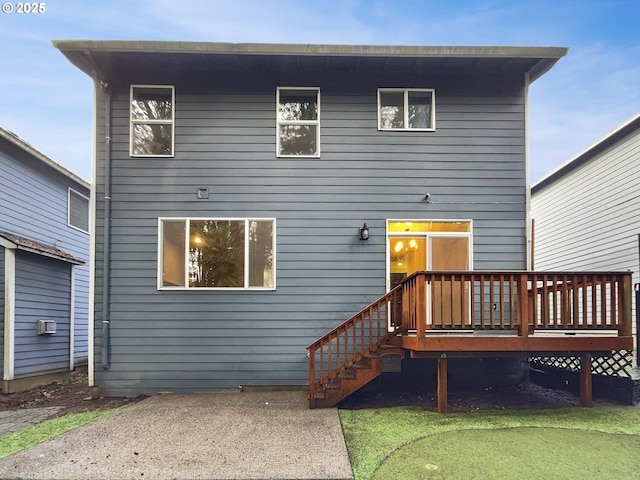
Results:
105 349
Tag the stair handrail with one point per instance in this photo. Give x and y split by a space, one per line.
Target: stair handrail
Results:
352 324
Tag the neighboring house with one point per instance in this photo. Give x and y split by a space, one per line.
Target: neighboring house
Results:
252 197
587 212
44 271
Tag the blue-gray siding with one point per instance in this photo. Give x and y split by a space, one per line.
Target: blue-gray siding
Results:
43 291
473 166
33 204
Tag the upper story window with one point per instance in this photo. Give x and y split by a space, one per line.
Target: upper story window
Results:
78 211
406 109
216 253
152 115
298 118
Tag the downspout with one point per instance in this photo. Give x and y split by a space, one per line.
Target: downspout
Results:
528 223
105 350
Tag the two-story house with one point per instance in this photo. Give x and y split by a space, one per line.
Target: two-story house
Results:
44 270
252 197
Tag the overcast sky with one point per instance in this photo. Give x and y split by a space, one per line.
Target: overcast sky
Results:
594 89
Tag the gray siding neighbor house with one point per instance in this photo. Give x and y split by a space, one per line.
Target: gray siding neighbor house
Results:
252 197
44 271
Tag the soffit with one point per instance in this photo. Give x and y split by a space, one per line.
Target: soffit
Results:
108 59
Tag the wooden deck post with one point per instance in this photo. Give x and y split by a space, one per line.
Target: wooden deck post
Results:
442 383
421 306
586 380
523 305
626 305
311 354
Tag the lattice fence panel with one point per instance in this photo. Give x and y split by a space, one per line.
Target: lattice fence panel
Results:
619 364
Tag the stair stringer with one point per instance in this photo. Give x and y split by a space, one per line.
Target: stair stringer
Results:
354 377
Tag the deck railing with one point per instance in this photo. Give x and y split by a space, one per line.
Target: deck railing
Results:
521 303
352 340
518 301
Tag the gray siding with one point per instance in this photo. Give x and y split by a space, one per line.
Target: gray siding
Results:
33 199
473 166
43 290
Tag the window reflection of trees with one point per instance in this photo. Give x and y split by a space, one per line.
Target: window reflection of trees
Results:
298 140
152 113
216 253
418 105
260 254
298 116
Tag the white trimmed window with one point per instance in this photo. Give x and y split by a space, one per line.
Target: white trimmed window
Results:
298 120
152 120
216 253
406 109
78 211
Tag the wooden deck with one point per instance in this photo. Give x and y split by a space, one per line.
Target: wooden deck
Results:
475 314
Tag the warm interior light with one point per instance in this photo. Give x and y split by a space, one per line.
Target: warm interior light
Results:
413 245
197 240
399 246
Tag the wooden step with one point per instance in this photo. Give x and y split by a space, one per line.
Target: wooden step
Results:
358 375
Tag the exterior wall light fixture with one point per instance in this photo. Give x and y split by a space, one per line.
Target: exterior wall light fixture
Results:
364 232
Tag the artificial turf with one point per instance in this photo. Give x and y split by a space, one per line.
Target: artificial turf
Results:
375 436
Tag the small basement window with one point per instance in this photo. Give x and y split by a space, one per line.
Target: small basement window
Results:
298 119
152 121
406 109
217 253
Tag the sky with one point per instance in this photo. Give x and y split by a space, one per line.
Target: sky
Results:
48 102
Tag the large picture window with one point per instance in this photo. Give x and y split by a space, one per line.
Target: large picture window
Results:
298 119
152 120
217 253
404 109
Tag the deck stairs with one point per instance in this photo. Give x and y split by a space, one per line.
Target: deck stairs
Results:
355 352
384 359
474 314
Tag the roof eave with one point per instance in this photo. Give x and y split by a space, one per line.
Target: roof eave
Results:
21 144
608 140
78 52
15 242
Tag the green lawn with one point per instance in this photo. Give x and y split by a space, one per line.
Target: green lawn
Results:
408 442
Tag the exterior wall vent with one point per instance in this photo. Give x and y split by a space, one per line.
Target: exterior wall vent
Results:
46 327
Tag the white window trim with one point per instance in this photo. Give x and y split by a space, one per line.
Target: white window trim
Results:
406 92
297 122
133 122
69 190
186 286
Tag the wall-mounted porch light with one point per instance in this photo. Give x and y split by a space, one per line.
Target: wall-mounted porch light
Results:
364 232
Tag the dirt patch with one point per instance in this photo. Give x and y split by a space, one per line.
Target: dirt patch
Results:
74 396
525 395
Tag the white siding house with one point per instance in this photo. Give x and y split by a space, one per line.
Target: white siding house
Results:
587 212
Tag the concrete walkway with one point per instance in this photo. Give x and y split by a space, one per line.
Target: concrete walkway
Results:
250 435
